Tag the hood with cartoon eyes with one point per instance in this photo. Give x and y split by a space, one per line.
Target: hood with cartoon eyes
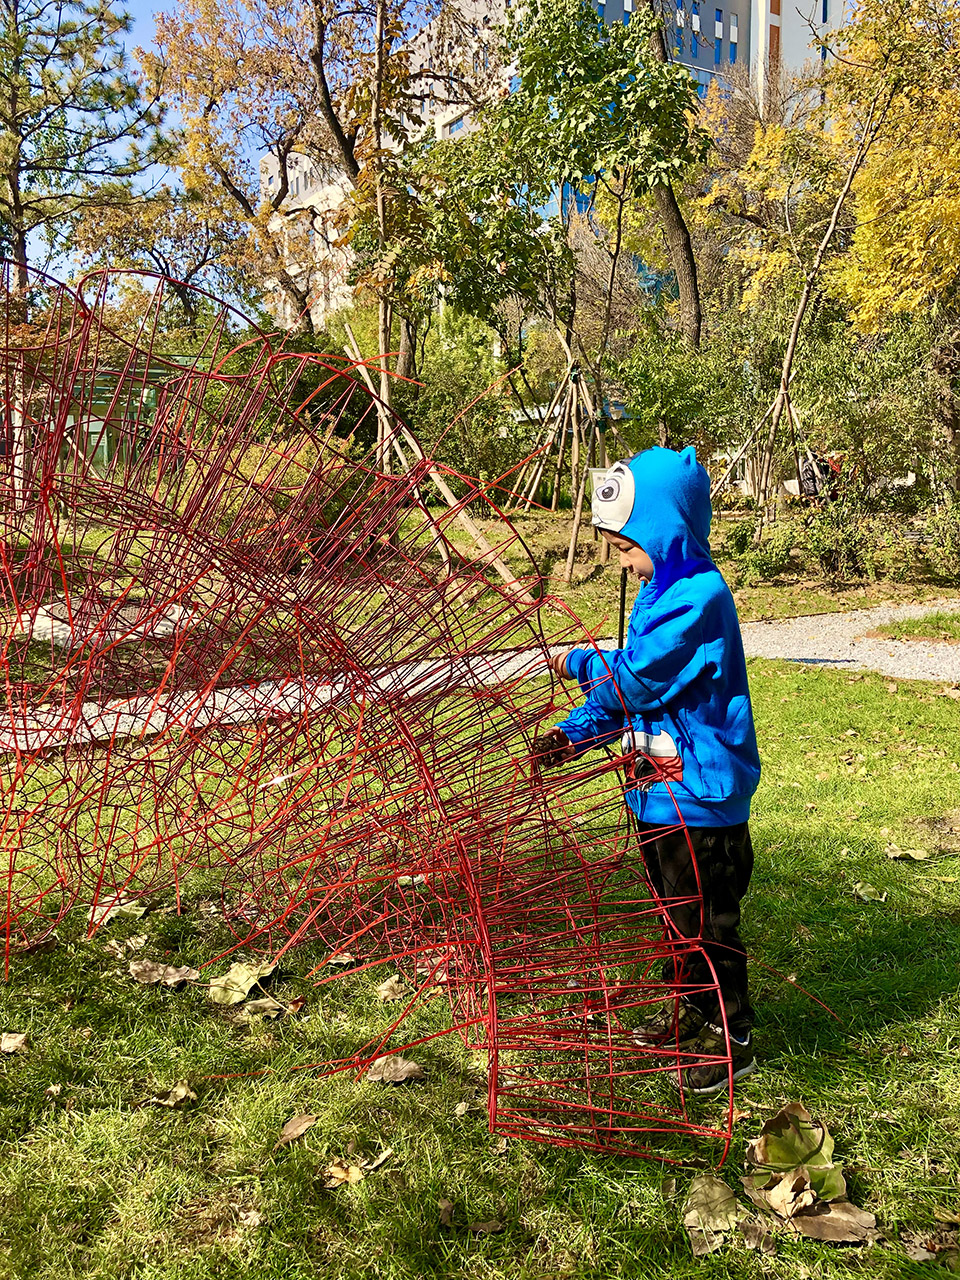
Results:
659 499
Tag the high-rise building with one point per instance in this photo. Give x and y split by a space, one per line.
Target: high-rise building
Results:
764 39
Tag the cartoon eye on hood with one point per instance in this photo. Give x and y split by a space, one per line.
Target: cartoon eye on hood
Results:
613 496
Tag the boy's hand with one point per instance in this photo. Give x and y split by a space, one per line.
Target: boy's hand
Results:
558 663
552 749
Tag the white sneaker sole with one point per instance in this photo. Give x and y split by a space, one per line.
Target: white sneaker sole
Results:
722 1084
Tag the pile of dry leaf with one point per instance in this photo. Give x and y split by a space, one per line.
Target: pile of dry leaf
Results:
794 1183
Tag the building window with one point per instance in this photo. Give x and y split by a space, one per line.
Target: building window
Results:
455 126
695 31
774 58
514 83
734 33
628 6
826 8
476 63
775 8
602 12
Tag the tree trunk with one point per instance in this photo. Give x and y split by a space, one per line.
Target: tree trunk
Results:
384 308
20 258
680 252
679 245
407 354
946 365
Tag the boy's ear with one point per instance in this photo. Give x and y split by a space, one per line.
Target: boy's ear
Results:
689 456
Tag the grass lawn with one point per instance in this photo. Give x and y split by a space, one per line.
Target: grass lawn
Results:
933 626
93 1183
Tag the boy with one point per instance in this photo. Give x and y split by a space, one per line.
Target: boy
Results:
678 693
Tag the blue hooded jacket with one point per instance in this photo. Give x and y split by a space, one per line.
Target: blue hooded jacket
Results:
679 688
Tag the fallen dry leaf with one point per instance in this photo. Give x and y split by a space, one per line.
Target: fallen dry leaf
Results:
446 1212
789 1141
339 1174
178 1096
916 855
295 1128
250 1218
839 1222
297 1004
13 1041
499 1148
100 913
461 1108
394 1070
150 972
49 943
736 1115
915 1247
266 1008
946 1215
53 1090
486 1228
788 1194
868 893
710 1210
756 1236
392 989
235 985
377 1161
341 958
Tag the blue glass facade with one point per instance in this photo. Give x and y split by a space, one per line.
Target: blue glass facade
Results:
705 40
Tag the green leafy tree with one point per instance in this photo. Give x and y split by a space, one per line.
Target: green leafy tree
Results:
71 116
500 232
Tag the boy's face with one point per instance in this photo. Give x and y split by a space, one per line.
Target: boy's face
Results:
632 558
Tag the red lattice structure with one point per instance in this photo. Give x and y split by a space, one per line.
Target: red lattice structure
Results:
239 651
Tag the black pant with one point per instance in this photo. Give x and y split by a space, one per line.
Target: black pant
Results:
701 901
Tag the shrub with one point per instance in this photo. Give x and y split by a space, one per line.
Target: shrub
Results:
943 529
833 541
772 557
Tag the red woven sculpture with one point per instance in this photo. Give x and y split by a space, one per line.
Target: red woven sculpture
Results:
237 648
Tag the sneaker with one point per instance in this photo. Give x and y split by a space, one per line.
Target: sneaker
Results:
677 1023
710 1077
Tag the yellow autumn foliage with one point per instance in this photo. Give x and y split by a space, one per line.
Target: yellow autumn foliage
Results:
904 254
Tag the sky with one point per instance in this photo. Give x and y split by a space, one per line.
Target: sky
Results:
142 14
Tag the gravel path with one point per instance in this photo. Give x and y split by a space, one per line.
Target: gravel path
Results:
840 640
